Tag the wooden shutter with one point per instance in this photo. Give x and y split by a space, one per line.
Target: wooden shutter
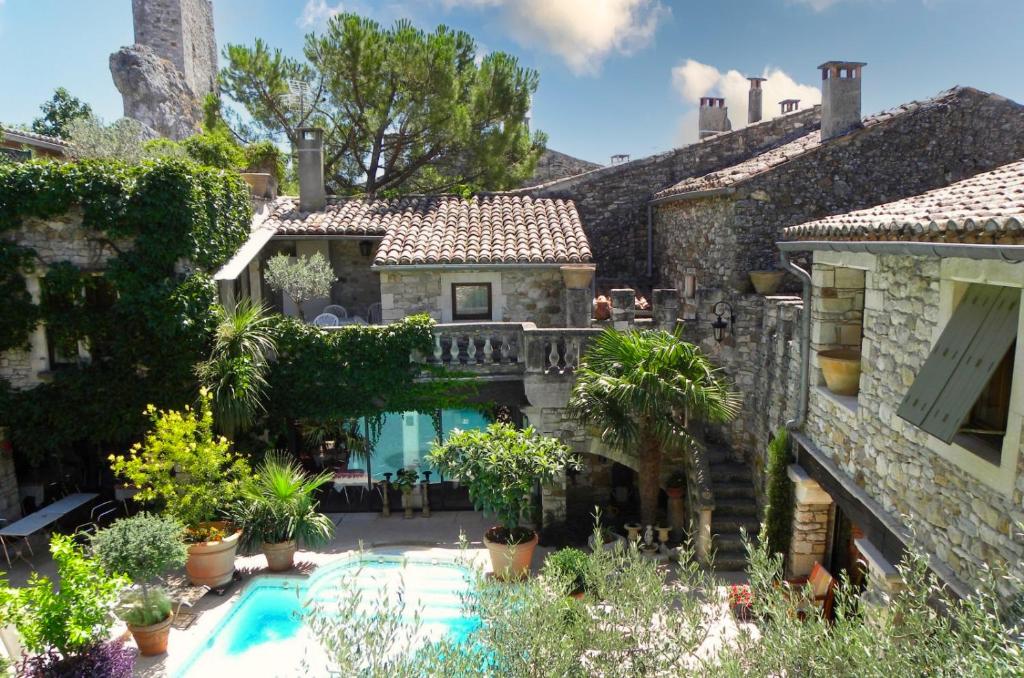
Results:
982 329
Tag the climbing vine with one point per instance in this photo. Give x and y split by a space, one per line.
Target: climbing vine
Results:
147 320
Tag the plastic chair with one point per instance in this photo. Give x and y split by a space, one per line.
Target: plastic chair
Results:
326 320
336 310
373 314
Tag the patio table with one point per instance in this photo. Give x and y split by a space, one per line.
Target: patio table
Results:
353 478
43 518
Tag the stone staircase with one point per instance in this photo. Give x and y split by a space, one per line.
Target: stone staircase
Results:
735 507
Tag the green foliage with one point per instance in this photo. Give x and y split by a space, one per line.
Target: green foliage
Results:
301 278
569 568
405 480
59 112
122 140
146 607
142 547
155 324
70 618
279 504
216 149
636 387
777 529
403 110
266 157
181 465
500 466
235 373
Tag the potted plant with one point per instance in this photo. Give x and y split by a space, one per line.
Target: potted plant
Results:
741 598
195 477
405 481
604 538
676 485
143 548
500 467
569 569
278 508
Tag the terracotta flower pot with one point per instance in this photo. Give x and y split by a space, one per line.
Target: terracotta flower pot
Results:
841 368
511 561
766 282
608 545
281 556
675 492
212 563
577 276
152 639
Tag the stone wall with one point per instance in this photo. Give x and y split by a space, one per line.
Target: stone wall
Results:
613 201
10 507
553 165
519 294
180 31
358 285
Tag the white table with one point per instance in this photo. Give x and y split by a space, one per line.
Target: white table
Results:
43 518
345 479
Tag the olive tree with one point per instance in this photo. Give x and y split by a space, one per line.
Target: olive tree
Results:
301 278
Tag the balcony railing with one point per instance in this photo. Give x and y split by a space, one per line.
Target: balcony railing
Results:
508 348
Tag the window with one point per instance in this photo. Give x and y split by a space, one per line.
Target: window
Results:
962 392
471 301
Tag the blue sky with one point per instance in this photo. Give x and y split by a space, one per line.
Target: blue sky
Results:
617 76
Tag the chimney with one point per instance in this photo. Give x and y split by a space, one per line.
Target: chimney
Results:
840 97
789 105
754 100
310 151
714 117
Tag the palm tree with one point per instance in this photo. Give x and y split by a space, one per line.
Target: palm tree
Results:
638 388
236 371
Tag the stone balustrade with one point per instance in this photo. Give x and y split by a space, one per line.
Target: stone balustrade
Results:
508 348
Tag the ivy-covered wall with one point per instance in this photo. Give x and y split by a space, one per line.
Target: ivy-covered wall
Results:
162 229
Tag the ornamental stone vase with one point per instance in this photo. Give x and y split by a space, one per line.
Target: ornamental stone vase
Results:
841 369
577 276
766 282
212 563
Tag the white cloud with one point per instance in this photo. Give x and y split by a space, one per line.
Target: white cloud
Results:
582 32
693 80
318 12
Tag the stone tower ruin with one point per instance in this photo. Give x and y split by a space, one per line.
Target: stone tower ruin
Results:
172 66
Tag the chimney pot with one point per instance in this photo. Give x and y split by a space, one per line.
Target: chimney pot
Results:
310 152
840 97
713 117
754 108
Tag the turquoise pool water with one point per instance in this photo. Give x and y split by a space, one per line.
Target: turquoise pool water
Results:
263 634
405 438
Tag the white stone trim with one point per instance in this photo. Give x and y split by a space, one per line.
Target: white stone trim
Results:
806 489
955 275
881 569
859 260
444 301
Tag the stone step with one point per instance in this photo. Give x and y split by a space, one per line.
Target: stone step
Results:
728 473
732 525
734 509
732 489
729 562
728 542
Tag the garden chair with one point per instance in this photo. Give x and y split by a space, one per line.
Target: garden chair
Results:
373 313
335 309
822 585
326 320
99 516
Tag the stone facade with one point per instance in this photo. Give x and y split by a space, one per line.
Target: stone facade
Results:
180 31
613 201
357 286
519 293
553 165
9 505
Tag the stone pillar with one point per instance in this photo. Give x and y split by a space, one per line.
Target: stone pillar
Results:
623 308
665 308
553 504
9 505
578 307
676 513
702 542
810 523
37 340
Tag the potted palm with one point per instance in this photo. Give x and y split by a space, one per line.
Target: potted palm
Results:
500 467
405 481
278 508
194 476
143 548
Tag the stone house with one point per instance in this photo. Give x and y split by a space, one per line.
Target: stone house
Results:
932 435
18 144
711 231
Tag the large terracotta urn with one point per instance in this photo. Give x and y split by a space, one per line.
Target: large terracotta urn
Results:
212 563
511 561
577 276
152 639
766 282
841 369
281 556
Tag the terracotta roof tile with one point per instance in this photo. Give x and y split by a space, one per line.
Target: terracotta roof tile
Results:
988 207
487 229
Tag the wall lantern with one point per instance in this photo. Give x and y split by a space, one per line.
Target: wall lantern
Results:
365 247
720 324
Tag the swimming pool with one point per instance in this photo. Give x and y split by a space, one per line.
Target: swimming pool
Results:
263 633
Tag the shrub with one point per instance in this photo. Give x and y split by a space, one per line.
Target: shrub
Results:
69 619
405 480
142 548
121 140
180 464
570 569
265 156
215 149
778 514
109 660
279 504
500 466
